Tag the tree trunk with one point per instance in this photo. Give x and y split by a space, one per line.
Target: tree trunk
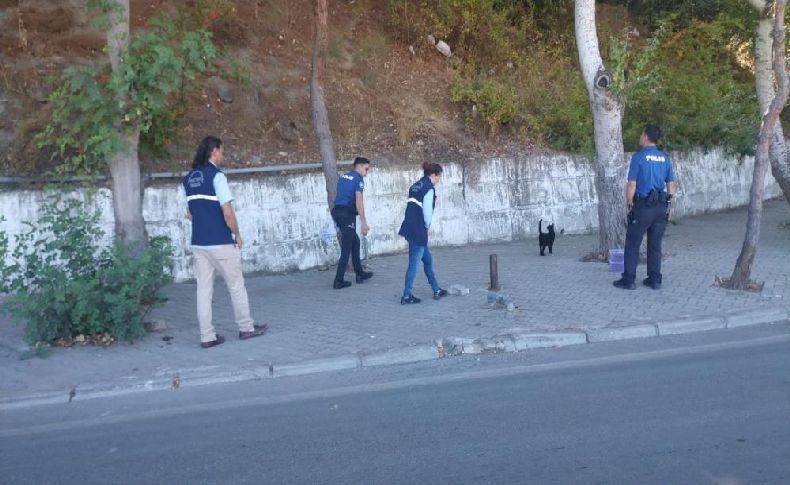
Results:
607 111
127 194
764 77
741 274
317 104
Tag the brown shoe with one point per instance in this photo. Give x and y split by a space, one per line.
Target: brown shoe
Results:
257 331
213 343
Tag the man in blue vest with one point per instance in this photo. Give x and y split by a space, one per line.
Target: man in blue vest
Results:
216 242
649 193
349 203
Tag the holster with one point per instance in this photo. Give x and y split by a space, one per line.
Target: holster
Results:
655 197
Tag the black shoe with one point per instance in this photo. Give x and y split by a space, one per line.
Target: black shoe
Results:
438 294
406 300
652 284
623 284
365 275
257 331
339 285
217 340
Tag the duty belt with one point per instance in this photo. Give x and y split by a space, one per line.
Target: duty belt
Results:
654 197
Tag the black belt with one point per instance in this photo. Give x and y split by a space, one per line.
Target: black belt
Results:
654 197
350 209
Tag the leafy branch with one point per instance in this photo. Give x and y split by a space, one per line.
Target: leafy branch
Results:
93 104
632 71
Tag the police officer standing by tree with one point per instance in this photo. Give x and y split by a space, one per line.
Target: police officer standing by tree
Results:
349 203
649 192
216 242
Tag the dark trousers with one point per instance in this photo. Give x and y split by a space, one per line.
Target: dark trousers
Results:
650 219
346 219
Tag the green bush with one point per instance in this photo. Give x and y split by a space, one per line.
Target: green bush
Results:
567 121
699 97
684 12
517 65
545 109
517 72
484 32
497 102
64 284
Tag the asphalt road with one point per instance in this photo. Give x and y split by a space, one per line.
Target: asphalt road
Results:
711 408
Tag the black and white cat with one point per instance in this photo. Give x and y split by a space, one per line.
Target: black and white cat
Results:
545 239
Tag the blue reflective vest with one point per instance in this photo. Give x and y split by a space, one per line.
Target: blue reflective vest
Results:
413 227
208 223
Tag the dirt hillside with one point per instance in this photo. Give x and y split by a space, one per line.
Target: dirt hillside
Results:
385 102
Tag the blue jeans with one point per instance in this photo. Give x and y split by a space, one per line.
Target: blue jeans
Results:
417 253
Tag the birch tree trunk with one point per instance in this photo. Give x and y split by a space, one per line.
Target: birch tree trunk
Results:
317 103
607 112
741 274
764 77
127 193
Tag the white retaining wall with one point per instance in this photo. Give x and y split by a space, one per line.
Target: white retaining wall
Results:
281 216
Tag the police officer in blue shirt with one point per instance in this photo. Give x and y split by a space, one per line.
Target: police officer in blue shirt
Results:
649 193
349 203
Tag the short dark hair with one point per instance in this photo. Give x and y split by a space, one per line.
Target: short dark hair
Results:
429 168
653 133
361 161
204 150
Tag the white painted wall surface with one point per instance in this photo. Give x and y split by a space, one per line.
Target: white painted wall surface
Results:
281 216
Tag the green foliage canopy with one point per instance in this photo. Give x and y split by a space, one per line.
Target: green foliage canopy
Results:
94 104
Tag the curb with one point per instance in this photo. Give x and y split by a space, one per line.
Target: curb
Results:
688 325
342 362
527 341
610 334
756 317
447 347
185 378
406 355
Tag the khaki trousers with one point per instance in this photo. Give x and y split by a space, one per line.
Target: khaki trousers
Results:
226 260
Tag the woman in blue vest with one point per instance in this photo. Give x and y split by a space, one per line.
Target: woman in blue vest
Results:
416 223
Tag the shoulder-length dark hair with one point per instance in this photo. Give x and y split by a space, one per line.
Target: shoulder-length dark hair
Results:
204 150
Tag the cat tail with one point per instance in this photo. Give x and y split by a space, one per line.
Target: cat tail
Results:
540 226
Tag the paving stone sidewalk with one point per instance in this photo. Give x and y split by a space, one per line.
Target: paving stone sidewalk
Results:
308 320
